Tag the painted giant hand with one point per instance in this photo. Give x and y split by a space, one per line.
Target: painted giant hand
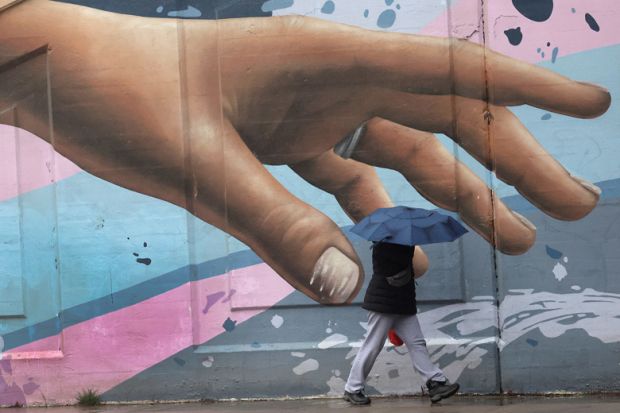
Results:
189 111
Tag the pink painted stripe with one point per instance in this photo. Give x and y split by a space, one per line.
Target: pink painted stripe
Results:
107 350
28 163
564 29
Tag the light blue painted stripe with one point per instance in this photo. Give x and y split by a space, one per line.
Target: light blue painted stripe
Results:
128 297
93 228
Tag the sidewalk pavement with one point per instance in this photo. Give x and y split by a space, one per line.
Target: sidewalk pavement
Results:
457 404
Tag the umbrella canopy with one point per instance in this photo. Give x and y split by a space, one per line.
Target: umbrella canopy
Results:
408 226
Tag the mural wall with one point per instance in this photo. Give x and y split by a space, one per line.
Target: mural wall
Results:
178 180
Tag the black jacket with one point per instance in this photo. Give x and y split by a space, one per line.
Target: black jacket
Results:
392 287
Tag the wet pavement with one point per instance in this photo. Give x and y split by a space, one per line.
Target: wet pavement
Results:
459 404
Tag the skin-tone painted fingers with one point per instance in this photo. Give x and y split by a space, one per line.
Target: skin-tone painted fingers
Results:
496 138
341 54
357 188
444 181
434 65
300 243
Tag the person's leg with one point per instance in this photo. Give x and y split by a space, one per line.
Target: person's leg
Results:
378 326
408 328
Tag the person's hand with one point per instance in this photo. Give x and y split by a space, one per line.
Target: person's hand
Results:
188 112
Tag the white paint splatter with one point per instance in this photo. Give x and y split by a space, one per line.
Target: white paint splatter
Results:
336 373
329 330
336 386
482 298
306 366
277 321
565 259
333 340
559 271
298 354
597 313
208 362
522 311
353 352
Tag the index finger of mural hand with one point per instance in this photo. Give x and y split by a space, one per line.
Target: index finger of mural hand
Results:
445 182
496 138
444 66
357 188
300 243
512 82
339 54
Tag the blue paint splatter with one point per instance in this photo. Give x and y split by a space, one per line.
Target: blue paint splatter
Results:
255 344
272 5
30 387
553 253
229 325
546 116
514 36
592 22
328 7
179 361
6 366
212 299
536 10
554 54
573 9
145 261
538 50
190 11
543 55
398 6
531 342
366 13
389 2
386 19
232 292
574 318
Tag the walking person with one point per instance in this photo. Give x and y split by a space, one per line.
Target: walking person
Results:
390 300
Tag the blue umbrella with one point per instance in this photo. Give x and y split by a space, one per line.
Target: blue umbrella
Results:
408 226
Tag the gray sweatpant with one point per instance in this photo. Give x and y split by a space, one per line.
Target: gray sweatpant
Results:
408 329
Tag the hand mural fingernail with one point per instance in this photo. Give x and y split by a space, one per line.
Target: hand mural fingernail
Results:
525 221
337 276
588 185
